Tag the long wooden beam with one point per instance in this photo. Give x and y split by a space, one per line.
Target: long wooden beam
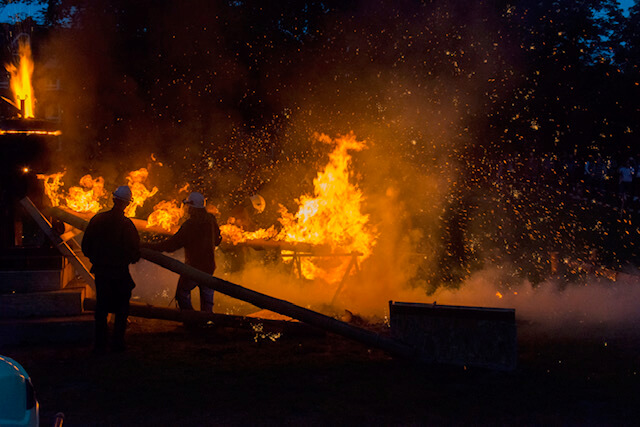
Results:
369 338
258 299
148 311
76 219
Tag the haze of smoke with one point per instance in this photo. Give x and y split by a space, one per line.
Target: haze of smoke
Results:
402 252
283 284
154 284
361 79
598 301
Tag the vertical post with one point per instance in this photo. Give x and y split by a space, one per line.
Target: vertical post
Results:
352 262
298 263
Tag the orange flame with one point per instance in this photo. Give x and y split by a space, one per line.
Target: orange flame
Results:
166 215
30 132
21 80
332 216
139 191
91 196
52 187
236 234
86 198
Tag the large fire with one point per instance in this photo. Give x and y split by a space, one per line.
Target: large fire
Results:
330 219
90 195
332 216
20 82
87 197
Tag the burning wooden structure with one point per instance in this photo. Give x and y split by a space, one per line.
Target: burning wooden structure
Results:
258 299
26 145
328 224
37 304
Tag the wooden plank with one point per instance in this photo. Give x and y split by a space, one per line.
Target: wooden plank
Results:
319 320
62 246
65 237
65 302
148 311
80 221
30 281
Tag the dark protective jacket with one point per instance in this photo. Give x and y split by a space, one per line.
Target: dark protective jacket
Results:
111 242
199 235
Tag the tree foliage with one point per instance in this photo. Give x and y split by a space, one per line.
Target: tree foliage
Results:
493 77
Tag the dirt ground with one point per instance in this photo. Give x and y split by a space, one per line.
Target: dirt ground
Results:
172 375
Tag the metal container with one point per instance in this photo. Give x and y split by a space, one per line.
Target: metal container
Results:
457 335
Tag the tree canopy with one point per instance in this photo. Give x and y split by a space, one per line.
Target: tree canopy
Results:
492 76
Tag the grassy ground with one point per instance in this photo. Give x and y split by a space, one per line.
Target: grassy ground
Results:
170 375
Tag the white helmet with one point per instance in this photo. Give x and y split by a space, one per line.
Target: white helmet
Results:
195 200
123 193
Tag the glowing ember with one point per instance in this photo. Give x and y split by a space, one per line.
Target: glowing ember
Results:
166 215
86 198
21 87
30 132
140 193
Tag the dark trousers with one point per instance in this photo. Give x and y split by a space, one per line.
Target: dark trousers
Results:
112 296
183 295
